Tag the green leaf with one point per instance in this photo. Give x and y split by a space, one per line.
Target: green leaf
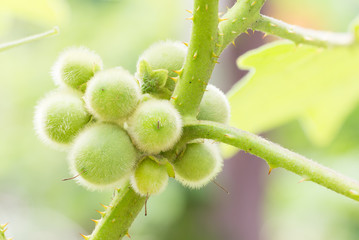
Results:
320 87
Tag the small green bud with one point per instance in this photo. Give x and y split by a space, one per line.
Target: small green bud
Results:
155 126
59 117
112 94
75 66
149 177
214 106
164 55
198 164
103 155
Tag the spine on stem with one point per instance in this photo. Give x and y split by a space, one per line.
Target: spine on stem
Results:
237 20
301 35
118 217
200 60
275 155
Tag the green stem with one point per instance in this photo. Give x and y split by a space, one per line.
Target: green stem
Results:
301 35
118 217
6 46
200 59
237 20
275 155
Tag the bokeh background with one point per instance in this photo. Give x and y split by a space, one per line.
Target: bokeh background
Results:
38 205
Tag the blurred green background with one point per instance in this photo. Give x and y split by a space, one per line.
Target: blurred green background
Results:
38 205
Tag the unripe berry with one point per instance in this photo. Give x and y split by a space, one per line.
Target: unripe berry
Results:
112 94
214 106
198 164
166 55
75 66
103 155
149 177
155 126
59 117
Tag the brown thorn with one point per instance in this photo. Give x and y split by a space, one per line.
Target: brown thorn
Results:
185 44
146 204
264 35
104 206
71 178
102 213
128 235
174 79
95 221
85 237
220 186
270 170
158 124
214 55
302 180
177 71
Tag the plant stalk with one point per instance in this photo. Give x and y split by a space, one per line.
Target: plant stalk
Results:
237 20
274 155
301 35
200 59
118 217
6 46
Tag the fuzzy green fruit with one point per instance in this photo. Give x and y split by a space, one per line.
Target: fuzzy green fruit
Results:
214 106
163 58
59 117
198 164
155 126
75 66
112 94
103 155
149 177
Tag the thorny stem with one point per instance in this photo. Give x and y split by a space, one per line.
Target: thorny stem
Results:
299 35
119 216
200 60
274 155
208 40
8 45
237 20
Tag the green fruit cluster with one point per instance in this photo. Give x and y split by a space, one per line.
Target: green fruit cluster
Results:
116 127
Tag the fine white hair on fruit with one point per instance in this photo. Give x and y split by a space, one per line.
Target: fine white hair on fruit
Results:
112 95
214 106
102 156
155 126
168 54
75 66
97 187
152 55
199 164
59 117
149 177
